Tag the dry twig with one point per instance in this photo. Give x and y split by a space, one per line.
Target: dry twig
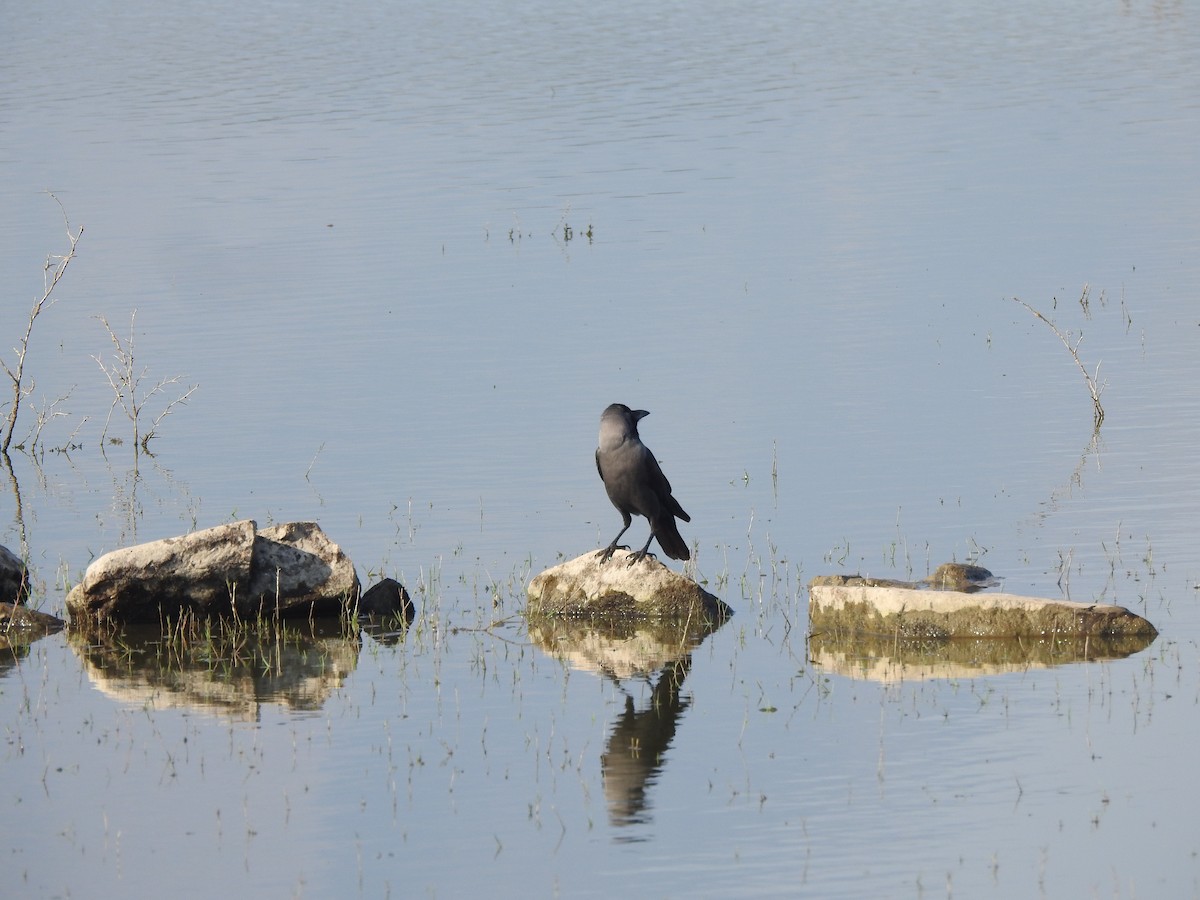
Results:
52 273
1095 387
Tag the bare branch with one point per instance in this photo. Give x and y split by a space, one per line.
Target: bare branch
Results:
1095 387
178 401
46 414
52 273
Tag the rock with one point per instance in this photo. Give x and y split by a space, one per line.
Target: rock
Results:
960 577
20 625
839 607
585 588
387 600
298 570
862 581
946 577
14 578
232 569
386 611
144 583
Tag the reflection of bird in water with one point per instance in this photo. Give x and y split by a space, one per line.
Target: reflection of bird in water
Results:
636 749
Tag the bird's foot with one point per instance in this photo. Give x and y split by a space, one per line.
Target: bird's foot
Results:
638 556
606 554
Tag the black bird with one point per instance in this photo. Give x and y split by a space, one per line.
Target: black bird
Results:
636 485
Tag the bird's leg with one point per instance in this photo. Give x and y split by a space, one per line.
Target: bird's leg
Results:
606 554
641 554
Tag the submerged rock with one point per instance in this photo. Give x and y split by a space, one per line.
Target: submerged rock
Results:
586 588
230 570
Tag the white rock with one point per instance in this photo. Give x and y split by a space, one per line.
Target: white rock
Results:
586 588
291 569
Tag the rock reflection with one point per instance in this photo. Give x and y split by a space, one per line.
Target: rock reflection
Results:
228 672
20 626
890 661
636 749
11 653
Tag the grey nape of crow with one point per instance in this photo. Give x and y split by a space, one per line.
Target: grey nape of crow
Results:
636 485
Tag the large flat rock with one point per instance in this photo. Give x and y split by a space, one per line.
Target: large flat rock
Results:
586 588
847 605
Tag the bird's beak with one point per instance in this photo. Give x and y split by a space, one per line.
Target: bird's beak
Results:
639 414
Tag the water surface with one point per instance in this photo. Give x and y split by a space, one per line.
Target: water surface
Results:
794 236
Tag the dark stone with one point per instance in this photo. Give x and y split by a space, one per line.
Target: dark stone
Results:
387 600
14 578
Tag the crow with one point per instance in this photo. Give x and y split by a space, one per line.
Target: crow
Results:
636 485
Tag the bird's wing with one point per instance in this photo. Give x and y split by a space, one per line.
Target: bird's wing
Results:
659 484
598 469
654 475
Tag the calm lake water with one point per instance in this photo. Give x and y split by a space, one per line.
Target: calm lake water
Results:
408 253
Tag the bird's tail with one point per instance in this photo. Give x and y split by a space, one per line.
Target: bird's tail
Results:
669 538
